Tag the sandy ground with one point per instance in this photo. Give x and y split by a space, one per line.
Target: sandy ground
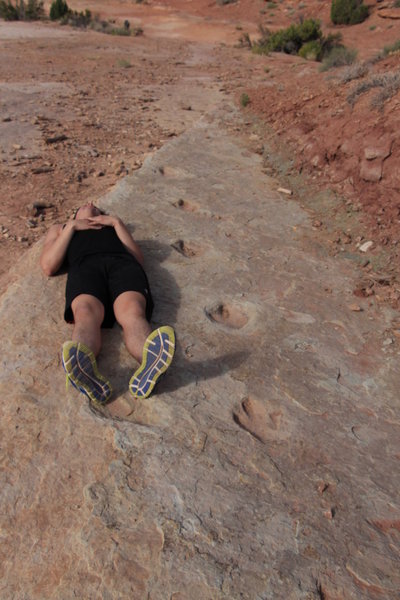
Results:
79 110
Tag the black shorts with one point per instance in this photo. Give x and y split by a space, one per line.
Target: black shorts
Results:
106 276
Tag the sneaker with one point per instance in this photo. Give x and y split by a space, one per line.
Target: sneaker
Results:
158 352
81 368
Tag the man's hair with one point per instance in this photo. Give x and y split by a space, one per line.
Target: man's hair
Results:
102 212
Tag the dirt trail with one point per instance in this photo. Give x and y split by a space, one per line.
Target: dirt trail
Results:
110 101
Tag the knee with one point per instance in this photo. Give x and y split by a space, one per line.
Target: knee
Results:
129 307
87 309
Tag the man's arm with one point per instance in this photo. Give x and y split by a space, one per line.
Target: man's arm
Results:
55 248
122 232
57 241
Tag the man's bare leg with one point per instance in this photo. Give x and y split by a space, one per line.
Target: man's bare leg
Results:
153 349
130 312
78 354
88 314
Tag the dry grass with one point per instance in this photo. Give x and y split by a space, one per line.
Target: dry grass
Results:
389 84
356 71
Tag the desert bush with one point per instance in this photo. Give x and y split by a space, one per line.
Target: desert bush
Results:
244 41
310 50
77 19
338 57
288 40
332 40
108 27
355 71
387 50
119 31
389 84
124 64
244 100
21 10
305 39
392 48
58 9
348 12
8 11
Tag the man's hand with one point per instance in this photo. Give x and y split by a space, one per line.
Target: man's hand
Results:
103 221
82 224
121 231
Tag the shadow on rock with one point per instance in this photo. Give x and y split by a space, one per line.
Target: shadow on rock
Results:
165 292
184 371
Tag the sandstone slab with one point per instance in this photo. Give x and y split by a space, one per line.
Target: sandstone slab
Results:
265 466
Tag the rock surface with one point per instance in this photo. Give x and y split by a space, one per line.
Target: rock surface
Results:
265 466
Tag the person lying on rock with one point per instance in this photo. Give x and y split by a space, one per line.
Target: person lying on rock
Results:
106 282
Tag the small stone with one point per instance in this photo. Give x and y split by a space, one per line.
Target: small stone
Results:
388 342
17 146
81 176
285 191
355 307
6 119
371 170
267 170
366 246
39 205
370 153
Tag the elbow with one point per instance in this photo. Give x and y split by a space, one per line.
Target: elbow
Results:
47 269
47 272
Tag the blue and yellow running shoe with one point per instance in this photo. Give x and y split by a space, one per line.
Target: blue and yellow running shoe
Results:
158 352
81 368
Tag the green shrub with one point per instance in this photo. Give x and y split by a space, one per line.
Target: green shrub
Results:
311 50
348 12
338 57
392 48
244 100
289 40
8 11
120 31
21 11
305 39
332 40
77 19
124 64
58 9
109 27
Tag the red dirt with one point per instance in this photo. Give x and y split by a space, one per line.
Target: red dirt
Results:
82 87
